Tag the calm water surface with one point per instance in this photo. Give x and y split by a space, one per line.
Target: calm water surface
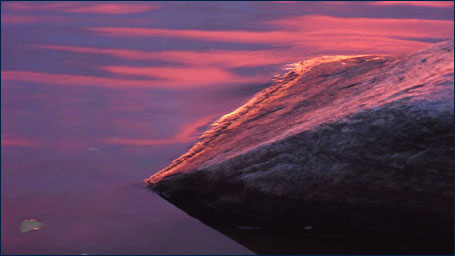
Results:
97 96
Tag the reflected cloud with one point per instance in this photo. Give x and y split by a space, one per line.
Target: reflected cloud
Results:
18 142
75 7
138 142
167 78
186 134
368 35
327 25
324 2
114 8
27 6
182 76
205 35
308 31
9 18
225 58
435 4
29 19
62 79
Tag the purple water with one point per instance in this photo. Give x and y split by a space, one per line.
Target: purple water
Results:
97 96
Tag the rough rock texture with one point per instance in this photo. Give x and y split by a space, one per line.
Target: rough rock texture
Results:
350 144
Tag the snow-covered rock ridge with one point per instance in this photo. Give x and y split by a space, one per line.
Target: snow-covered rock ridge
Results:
359 143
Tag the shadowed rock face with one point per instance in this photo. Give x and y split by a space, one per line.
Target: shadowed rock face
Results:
352 145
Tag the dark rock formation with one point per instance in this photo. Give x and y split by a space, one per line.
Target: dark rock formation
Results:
339 145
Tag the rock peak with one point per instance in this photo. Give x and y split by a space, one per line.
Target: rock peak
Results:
318 91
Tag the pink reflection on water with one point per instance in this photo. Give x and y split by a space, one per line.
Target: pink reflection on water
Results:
31 19
167 78
227 58
104 8
114 8
28 6
309 30
436 4
212 35
182 76
186 134
149 77
387 27
18 142
139 81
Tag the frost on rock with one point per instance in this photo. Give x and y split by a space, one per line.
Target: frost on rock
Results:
352 143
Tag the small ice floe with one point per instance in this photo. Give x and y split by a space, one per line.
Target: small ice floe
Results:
249 227
93 149
30 225
308 228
